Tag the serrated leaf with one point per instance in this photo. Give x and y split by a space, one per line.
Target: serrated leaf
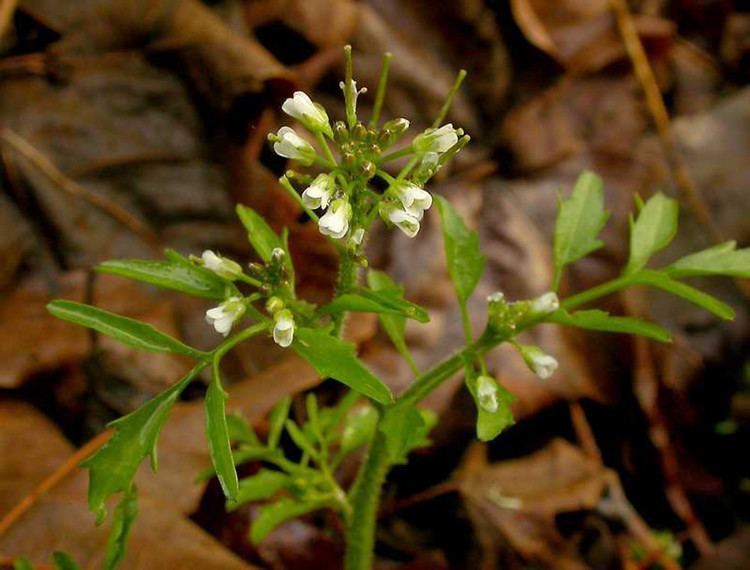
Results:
652 231
393 325
723 259
276 421
122 523
335 358
359 428
385 301
112 468
263 485
580 219
273 514
491 424
128 331
177 275
465 261
691 294
217 433
602 321
63 561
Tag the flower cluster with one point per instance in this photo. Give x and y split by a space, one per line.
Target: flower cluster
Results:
347 202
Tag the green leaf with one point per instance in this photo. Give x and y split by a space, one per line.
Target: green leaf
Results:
385 301
272 515
405 428
125 515
63 561
128 331
652 231
276 421
240 431
263 485
22 563
172 274
359 428
492 424
393 325
112 468
723 259
299 439
335 358
217 432
263 239
691 294
465 261
602 321
580 219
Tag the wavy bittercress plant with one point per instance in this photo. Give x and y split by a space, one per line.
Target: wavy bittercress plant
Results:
337 193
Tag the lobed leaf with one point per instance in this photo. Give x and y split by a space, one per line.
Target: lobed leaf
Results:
263 485
465 261
125 515
217 432
177 274
723 259
273 514
335 358
602 321
652 231
580 219
128 331
112 468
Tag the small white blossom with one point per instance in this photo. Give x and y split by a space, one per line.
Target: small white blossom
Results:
222 266
310 114
487 394
406 220
436 140
540 363
283 328
335 222
413 197
319 193
545 304
290 145
224 316
496 297
357 236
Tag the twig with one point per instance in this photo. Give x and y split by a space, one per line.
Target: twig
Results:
52 480
7 7
660 116
49 170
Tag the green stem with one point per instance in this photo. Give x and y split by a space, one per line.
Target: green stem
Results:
348 277
449 100
326 149
380 94
598 291
350 96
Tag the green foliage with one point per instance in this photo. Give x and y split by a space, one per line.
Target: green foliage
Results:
217 432
382 302
359 428
580 219
273 514
724 259
465 261
691 294
122 523
263 485
652 231
277 421
597 320
491 424
112 468
63 561
22 563
176 273
406 428
335 358
128 331
263 239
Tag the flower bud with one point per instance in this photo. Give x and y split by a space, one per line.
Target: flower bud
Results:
283 328
367 169
222 266
311 115
359 132
540 363
223 317
393 130
290 145
274 305
487 394
340 132
435 140
544 304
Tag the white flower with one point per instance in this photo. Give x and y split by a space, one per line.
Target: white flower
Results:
406 220
357 236
319 193
283 328
545 304
436 140
541 364
223 317
496 297
413 197
487 394
222 266
335 222
310 114
290 145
